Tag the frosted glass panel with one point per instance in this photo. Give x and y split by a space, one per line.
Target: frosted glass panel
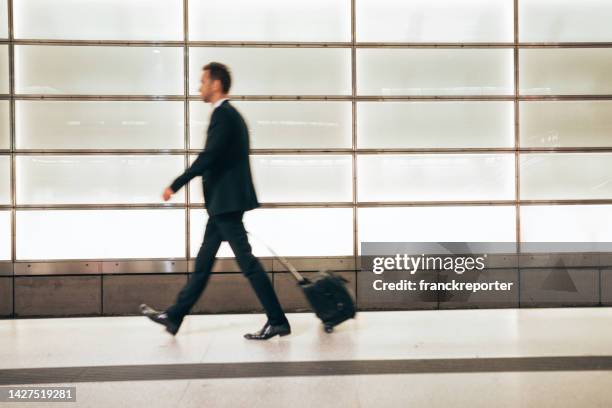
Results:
5 122
3 19
99 19
100 125
270 20
566 223
98 234
566 176
435 21
196 195
384 125
566 123
438 224
284 124
5 179
4 69
565 71
96 179
302 178
435 71
5 235
278 71
435 177
565 20
296 178
98 70
290 232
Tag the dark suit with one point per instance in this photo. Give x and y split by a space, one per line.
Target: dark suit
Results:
228 193
224 164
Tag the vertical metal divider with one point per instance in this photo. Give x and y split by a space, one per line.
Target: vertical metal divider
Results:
11 50
356 260
517 144
186 126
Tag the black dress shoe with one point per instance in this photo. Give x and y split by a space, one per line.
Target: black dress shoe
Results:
161 318
269 331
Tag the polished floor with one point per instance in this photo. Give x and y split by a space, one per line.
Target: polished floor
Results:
455 358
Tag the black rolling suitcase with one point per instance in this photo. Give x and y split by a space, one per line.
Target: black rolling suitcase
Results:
329 298
327 294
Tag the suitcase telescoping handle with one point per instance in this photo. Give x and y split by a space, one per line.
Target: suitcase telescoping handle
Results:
282 260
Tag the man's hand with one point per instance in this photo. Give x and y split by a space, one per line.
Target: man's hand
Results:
167 193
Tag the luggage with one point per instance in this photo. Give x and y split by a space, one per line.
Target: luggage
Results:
329 298
327 294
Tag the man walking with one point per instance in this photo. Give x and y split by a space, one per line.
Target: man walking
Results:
228 193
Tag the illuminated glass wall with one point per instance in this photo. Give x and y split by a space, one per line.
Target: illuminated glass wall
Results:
370 120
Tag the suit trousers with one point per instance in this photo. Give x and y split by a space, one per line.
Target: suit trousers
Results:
227 227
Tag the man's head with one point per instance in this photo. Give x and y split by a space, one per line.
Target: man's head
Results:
215 82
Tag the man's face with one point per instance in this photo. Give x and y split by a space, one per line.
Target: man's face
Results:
207 86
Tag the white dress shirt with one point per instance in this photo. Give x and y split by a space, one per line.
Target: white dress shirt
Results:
218 103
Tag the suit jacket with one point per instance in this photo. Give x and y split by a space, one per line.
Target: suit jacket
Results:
224 164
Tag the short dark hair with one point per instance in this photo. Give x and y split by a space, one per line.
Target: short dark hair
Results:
221 72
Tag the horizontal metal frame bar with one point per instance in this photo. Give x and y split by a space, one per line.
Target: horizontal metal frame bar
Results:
522 261
312 98
566 202
562 260
119 206
348 204
586 44
162 152
98 98
527 150
100 43
560 98
299 152
149 266
449 45
365 98
348 151
358 45
416 98
523 150
57 268
306 44
178 43
269 44
90 152
366 204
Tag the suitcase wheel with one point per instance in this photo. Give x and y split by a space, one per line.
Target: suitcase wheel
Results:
328 328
